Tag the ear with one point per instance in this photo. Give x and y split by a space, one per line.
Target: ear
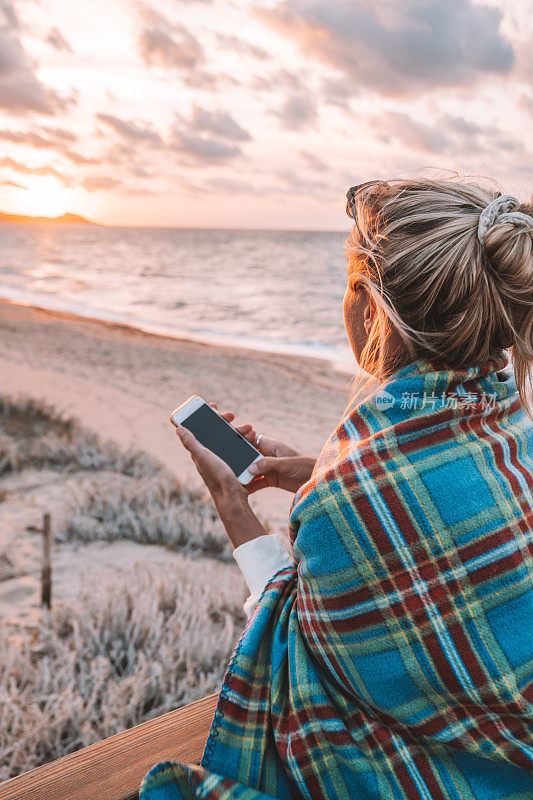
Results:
368 316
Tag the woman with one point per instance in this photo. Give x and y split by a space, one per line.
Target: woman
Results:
391 655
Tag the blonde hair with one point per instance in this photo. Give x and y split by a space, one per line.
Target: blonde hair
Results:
453 301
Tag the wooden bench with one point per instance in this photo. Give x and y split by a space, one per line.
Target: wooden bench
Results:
114 768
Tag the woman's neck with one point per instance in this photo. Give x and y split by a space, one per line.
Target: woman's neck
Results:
395 356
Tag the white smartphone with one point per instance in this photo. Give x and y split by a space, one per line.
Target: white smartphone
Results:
219 436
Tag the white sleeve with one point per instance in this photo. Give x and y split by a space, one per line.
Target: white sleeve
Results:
259 559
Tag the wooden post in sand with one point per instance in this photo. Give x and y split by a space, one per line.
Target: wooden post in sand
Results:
46 575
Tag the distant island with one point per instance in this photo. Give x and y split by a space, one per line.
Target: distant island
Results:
66 219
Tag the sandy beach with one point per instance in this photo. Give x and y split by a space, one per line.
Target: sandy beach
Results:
122 383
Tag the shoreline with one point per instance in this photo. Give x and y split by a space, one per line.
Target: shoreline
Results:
123 383
42 221
341 363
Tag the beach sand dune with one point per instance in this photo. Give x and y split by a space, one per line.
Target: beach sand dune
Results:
119 526
123 383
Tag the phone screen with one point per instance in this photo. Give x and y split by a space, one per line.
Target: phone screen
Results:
216 434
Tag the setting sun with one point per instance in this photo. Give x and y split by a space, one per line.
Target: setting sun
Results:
44 196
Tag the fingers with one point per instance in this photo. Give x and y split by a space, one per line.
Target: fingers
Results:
268 447
256 484
227 415
265 465
200 454
214 471
248 432
189 441
245 429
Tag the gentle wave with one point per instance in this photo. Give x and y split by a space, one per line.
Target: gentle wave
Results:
340 358
272 291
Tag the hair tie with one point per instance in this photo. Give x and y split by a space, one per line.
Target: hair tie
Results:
499 212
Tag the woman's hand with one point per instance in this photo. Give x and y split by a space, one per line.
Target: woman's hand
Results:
229 495
284 467
283 472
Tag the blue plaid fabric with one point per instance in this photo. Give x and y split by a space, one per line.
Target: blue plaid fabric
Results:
395 659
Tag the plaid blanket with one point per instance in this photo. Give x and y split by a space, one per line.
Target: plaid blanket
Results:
395 659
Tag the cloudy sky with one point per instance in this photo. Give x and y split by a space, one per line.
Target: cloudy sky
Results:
255 113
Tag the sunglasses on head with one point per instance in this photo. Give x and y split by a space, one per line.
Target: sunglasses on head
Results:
353 193
351 196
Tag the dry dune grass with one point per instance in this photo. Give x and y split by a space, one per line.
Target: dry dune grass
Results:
130 496
7 567
149 510
132 649
135 644
34 434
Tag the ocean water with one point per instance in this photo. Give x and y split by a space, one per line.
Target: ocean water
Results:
272 290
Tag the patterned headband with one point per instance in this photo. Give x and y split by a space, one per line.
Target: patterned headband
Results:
499 212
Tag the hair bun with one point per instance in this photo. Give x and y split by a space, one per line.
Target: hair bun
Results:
446 292
499 212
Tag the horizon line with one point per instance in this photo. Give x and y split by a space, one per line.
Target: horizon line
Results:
36 218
